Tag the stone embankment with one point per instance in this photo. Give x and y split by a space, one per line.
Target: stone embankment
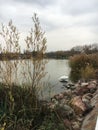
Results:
77 106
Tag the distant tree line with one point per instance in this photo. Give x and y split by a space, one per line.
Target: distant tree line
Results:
87 49
61 54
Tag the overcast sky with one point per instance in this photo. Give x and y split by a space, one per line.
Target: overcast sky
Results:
67 23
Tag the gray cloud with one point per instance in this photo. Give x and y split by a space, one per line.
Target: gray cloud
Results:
88 20
62 20
78 7
37 2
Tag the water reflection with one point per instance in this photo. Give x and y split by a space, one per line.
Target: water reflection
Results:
54 68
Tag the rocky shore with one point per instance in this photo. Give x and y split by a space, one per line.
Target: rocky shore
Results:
77 105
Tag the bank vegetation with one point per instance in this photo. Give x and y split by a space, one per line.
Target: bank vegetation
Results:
84 67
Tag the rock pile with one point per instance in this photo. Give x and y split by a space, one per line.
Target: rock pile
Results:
74 104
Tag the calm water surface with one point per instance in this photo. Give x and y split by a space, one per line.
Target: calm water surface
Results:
55 69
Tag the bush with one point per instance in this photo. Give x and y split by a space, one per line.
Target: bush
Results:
83 66
87 73
51 122
18 111
20 108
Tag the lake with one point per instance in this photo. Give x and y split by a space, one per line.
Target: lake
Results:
54 68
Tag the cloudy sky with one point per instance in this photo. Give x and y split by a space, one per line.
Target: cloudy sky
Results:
67 23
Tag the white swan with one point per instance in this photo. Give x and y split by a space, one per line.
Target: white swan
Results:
63 78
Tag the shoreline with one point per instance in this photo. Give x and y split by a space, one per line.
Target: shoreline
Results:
75 105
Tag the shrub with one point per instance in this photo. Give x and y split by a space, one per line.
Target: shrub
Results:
87 73
83 66
51 122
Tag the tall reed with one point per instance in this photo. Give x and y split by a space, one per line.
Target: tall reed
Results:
20 105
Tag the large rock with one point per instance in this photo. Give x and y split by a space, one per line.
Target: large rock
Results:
90 119
84 84
65 111
78 105
87 96
67 124
76 125
59 96
82 90
92 87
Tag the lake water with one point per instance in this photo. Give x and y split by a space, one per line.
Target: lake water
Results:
54 68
